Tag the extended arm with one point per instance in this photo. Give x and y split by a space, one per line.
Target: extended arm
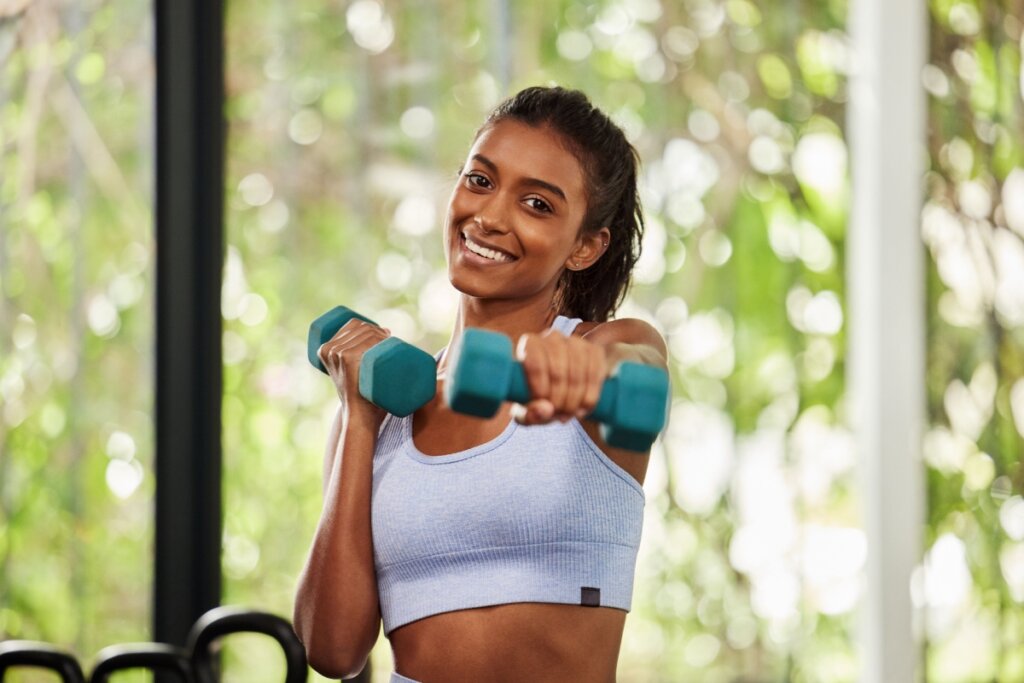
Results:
566 376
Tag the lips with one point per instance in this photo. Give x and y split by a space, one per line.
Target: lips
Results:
486 251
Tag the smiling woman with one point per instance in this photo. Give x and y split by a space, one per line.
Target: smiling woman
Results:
522 547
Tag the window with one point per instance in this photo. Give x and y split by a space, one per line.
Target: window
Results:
76 323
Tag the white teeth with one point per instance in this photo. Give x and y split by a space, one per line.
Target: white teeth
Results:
485 252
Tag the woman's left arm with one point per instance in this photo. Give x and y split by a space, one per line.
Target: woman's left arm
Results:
566 374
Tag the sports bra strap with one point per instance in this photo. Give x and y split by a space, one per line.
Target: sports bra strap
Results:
565 325
561 324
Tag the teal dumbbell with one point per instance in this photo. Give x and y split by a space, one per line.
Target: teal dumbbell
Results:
632 408
393 375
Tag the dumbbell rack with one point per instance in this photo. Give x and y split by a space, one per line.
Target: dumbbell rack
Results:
197 662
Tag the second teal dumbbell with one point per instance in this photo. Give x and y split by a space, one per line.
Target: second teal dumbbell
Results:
393 374
632 409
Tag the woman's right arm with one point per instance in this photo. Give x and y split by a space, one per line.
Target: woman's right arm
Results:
337 613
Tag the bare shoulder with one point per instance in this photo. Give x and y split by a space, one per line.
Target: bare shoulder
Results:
626 339
628 331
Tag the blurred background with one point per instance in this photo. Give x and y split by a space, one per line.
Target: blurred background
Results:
347 122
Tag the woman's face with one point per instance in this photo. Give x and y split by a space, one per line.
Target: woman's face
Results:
514 217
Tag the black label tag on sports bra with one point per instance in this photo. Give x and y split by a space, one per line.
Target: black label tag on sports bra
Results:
590 597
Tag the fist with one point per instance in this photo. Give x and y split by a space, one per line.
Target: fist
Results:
565 376
342 355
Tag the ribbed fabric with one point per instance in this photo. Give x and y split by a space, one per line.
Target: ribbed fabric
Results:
537 514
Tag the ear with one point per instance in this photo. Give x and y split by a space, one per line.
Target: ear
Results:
589 248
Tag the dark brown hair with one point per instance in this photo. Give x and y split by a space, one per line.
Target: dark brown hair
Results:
609 164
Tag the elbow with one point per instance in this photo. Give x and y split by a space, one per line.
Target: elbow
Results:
334 652
335 666
337 660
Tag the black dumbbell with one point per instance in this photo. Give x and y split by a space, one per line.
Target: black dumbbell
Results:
150 656
223 621
30 653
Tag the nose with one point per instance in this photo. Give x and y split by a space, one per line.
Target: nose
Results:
491 217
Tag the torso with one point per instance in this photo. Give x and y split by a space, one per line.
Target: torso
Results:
515 642
503 643
512 643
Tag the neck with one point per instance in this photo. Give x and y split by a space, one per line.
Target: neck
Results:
508 316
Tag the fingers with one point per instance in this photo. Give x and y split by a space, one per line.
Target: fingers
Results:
342 353
531 352
577 364
536 412
565 376
596 373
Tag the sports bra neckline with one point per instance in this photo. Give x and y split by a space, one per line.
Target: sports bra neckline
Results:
562 324
445 458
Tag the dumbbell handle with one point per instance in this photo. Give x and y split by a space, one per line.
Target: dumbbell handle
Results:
519 392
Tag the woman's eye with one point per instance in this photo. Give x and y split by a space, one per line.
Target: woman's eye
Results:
477 180
538 204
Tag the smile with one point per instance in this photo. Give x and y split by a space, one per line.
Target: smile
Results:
490 254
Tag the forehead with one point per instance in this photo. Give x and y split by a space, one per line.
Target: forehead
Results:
524 151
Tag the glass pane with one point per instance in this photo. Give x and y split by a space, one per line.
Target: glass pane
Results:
347 123
76 320
972 583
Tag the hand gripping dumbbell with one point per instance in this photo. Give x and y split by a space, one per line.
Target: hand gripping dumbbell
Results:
393 374
632 407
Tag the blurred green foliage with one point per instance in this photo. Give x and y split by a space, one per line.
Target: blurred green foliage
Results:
75 323
972 585
347 123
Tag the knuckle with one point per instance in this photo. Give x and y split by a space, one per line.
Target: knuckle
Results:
533 367
559 372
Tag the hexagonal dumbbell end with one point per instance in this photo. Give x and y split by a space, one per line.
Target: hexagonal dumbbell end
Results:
633 407
324 328
481 369
397 376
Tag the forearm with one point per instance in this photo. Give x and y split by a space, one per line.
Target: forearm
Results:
337 614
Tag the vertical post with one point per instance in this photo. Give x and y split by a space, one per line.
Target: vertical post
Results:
885 281
189 256
503 41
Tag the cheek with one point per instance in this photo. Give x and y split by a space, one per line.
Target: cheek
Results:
452 213
459 207
547 248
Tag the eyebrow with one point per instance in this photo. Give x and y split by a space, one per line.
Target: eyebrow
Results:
536 182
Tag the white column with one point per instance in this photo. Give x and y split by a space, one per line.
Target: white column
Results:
885 285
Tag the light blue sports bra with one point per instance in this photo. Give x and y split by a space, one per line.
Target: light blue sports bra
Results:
537 514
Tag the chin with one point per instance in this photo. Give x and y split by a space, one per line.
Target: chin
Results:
465 286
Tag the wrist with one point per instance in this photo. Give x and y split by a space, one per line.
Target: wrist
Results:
360 413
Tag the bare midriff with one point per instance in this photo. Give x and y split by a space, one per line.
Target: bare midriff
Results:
512 643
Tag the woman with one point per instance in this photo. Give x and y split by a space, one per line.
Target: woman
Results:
499 549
